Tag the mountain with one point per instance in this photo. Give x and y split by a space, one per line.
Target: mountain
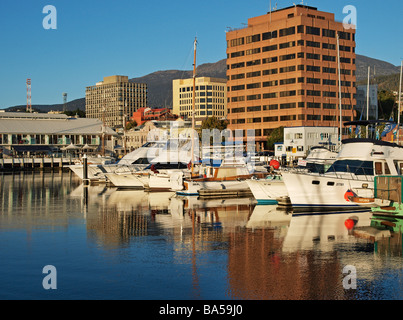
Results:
160 82
70 106
378 67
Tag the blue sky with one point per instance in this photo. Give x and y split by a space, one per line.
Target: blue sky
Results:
97 38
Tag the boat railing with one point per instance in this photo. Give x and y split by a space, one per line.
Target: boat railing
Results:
359 173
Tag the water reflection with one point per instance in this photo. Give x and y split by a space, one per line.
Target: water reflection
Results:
232 248
38 200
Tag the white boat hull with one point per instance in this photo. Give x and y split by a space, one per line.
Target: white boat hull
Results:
94 174
170 181
325 192
193 187
128 180
266 191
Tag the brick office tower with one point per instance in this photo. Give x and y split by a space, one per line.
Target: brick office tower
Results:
282 70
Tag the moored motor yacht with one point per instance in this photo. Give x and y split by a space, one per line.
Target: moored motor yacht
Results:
349 182
267 190
133 161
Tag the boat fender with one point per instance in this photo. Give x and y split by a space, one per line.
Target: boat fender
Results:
349 195
275 164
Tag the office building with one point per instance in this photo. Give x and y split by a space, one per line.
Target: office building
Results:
282 70
114 100
362 101
211 98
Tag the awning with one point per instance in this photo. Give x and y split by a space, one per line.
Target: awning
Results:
88 147
71 147
366 122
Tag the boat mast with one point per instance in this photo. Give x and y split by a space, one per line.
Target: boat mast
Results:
338 65
193 99
369 71
400 100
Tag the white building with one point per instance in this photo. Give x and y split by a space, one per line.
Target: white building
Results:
298 141
41 132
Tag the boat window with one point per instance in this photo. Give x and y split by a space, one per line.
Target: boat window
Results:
387 171
315 182
141 161
330 183
357 167
378 168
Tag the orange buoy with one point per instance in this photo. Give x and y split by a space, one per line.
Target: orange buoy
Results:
349 223
275 164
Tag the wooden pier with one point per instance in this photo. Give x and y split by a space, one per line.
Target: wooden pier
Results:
34 163
224 193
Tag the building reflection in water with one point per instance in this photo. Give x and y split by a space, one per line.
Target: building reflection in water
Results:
38 200
269 253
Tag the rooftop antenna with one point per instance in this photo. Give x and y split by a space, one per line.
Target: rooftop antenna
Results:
270 11
29 102
64 101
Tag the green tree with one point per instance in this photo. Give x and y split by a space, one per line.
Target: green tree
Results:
386 101
214 123
78 112
277 135
211 123
131 124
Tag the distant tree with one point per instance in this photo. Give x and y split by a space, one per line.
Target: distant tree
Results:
78 112
277 135
211 123
130 125
214 123
387 101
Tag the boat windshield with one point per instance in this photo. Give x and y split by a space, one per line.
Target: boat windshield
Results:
315 167
357 167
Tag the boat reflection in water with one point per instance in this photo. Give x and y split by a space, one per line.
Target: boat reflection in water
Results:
130 244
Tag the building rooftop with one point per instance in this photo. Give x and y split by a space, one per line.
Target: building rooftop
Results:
43 123
297 5
32 116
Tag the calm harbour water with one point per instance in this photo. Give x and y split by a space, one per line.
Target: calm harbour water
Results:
127 244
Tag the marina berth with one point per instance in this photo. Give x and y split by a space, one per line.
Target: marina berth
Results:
133 161
233 174
388 197
164 173
268 190
349 182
